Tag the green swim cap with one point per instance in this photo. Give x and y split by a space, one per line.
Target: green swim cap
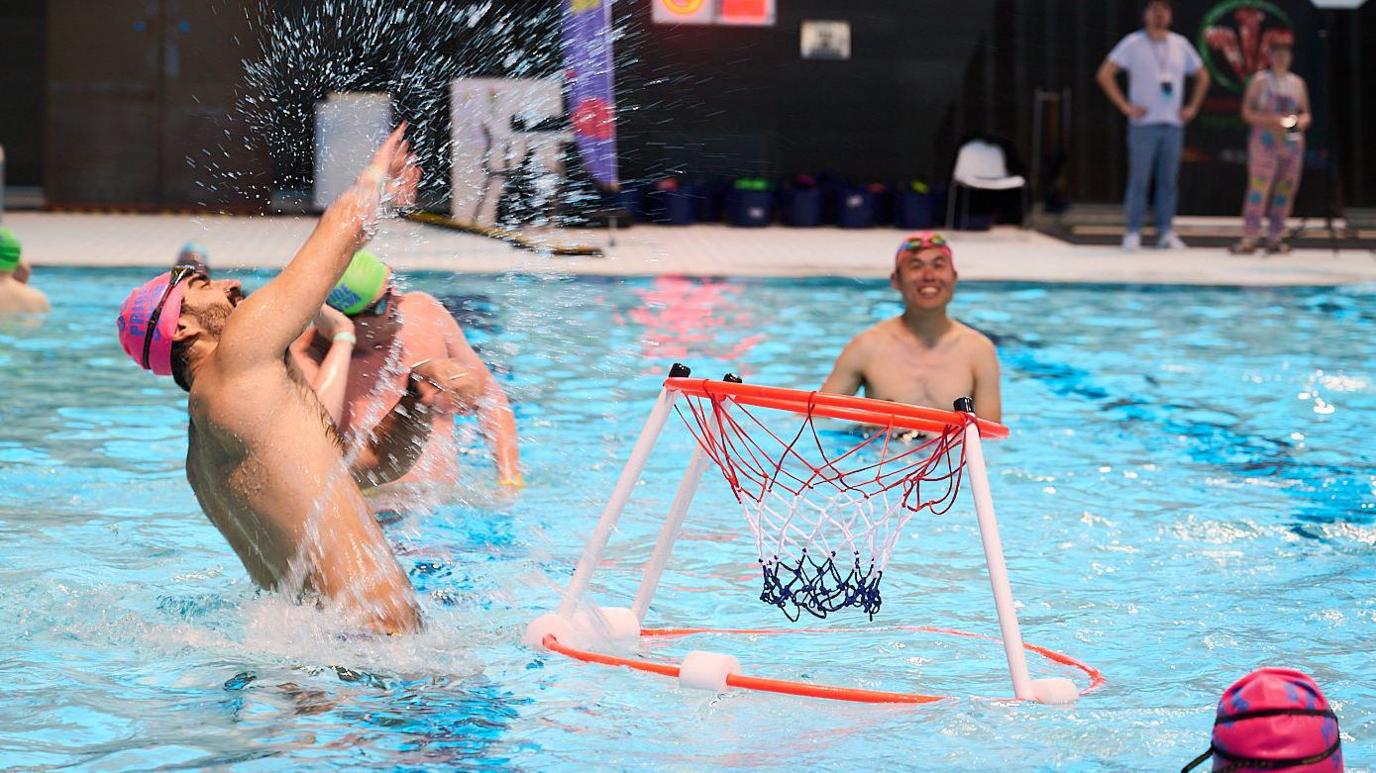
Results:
9 250
361 284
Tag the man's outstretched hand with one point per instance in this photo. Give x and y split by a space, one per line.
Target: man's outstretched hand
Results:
395 169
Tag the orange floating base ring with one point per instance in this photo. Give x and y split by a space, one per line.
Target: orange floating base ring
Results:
808 689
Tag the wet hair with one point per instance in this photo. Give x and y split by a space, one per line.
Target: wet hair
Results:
181 363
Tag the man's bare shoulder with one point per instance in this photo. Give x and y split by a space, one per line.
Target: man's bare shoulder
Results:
424 307
237 399
421 301
973 337
977 344
22 299
875 336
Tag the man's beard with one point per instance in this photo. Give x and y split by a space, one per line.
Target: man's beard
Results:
213 319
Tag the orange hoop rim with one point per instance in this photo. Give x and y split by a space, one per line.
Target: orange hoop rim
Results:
810 689
864 410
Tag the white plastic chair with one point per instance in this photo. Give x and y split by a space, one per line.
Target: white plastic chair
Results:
979 165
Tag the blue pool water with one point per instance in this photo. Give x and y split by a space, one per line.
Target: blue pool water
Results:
1189 493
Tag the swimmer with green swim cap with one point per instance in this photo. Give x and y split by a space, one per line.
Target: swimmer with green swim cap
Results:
363 284
16 296
393 327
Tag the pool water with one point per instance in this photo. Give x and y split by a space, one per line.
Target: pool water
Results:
1189 493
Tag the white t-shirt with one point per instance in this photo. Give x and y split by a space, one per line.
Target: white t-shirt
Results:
1152 63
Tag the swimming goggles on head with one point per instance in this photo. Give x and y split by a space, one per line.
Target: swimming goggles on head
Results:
1235 762
179 273
379 307
924 242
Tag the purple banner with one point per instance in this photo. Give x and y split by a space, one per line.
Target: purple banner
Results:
588 73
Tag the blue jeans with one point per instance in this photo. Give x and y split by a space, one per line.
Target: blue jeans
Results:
1153 150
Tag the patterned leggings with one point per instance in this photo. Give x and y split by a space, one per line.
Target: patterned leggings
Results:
1271 161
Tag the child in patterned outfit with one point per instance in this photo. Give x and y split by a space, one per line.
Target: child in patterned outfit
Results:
1277 108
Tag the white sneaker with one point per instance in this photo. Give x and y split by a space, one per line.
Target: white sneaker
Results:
1132 241
1169 241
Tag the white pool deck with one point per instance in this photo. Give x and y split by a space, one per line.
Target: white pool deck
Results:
68 239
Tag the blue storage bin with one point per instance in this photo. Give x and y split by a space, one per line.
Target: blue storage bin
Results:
633 201
801 207
750 208
673 207
855 208
914 210
711 202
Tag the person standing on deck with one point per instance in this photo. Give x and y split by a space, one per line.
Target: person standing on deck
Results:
1157 62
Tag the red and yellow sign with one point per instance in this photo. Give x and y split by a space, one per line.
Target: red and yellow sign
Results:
682 7
757 13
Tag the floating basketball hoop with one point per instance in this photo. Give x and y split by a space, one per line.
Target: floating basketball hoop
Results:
826 517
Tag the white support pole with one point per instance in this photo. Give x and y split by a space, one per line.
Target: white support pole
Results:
668 533
640 454
998 571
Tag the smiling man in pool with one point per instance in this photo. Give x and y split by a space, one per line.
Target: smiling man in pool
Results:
263 456
922 357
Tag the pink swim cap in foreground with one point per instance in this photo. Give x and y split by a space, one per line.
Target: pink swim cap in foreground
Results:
1274 719
924 240
134 317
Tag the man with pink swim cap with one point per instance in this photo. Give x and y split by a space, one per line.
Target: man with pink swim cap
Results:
264 458
1274 719
922 357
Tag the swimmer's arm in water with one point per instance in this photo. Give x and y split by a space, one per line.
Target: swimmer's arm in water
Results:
494 410
268 321
988 396
848 374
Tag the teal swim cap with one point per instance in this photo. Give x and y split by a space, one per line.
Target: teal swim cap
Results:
9 250
362 283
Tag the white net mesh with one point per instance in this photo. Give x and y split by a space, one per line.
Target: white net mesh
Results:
826 508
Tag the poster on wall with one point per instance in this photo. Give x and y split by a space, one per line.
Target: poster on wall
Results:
683 11
825 40
507 147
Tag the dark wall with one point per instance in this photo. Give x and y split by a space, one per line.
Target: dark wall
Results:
732 101
21 90
701 101
140 105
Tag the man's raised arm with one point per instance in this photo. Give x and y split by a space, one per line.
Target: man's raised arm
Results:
271 318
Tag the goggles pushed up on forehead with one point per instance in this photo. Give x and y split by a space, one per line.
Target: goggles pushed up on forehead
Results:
924 243
179 274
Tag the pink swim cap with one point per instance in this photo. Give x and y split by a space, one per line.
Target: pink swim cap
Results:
134 316
1275 718
924 240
